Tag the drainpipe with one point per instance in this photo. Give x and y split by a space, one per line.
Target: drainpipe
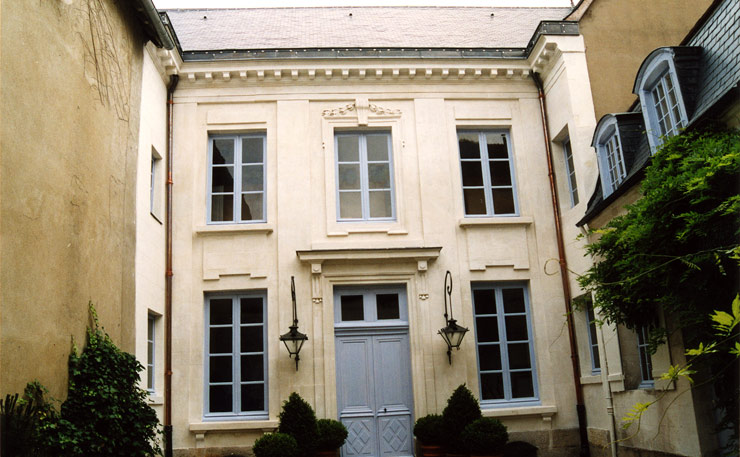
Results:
168 280
575 362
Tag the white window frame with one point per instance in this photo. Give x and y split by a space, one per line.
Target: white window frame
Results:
155 186
238 168
610 156
369 300
646 360
236 354
364 184
593 343
570 170
484 159
503 343
151 357
658 70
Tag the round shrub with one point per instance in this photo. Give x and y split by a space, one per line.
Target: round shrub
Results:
462 409
332 435
298 420
430 430
485 436
276 445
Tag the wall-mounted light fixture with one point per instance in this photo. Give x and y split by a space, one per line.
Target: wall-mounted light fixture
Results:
293 339
453 334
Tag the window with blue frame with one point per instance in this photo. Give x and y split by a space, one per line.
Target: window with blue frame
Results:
487 170
236 356
646 361
593 342
504 344
570 170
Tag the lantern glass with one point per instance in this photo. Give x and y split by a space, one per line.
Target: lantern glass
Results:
453 334
293 340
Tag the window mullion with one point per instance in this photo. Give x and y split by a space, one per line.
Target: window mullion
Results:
503 343
485 170
364 184
236 364
237 179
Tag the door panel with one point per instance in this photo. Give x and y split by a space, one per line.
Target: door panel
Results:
355 380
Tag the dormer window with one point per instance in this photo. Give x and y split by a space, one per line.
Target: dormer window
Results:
662 97
608 146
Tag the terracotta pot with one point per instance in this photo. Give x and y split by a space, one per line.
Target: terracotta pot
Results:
431 451
334 453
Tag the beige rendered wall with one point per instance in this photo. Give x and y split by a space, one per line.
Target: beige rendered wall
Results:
299 119
150 230
70 119
619 34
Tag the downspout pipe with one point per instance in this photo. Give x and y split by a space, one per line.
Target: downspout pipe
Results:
575 362
168 279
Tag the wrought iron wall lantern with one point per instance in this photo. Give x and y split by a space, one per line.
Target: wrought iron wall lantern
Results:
293 339
452 333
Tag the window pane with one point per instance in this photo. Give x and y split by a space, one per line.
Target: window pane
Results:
379 176
503 201
350 205
252 178
516 328
252 207
471 173
252 150
513 300
492 386
223 151
253 368
220 399
487 329
377 148
251 339
475 201
469 147
521 385
497 146
485 301
348 148
380 204
220 341
222 208
387 306
349 176
519 356
220 311
222 179
500 172
352 308
489 357
253 397
251 310
220 369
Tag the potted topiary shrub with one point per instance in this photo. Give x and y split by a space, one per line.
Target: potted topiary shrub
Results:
332 435
430 432
276 445
485 437
298 420
462 409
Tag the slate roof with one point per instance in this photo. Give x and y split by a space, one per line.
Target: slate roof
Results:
358 27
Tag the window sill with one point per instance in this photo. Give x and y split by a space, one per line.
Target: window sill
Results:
340 231
205 230
494 221
156 218
596 378
155 400
523 411
233 426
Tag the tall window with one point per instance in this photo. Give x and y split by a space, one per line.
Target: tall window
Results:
570 169
646 361
155 185
236 178
364 176
150 348
614 160
667 109
503 335
487 174
592 340
236 357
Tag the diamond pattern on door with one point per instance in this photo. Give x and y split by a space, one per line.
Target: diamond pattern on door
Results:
395 434
359 437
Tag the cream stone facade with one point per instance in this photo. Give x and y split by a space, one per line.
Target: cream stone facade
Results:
299 107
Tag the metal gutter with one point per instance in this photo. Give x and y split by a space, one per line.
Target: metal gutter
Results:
149 17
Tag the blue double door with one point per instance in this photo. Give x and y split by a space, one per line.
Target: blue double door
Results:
374 392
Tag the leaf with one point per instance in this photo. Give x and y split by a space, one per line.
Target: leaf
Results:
675 371
724 322
635 414
710 348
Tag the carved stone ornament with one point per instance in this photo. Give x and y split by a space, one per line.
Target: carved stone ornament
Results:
380 111
362 107
341 111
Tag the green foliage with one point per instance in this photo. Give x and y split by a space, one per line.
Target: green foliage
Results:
106 412
298 420
276 445
462 409
485 436
332 434
18 423
430 430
